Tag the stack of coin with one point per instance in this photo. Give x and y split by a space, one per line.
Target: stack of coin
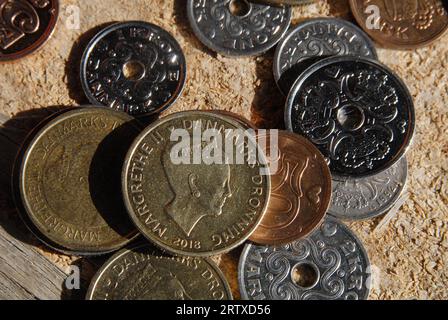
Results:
194 184
344 109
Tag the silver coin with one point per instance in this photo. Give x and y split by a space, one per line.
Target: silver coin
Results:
321 37
331 264
357 111
136 67
367 198
238 27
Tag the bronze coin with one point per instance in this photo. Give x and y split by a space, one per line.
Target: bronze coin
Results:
300 191
25 25
402 24
142 273
193 206
69 181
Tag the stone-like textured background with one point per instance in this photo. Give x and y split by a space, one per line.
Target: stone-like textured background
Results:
410 254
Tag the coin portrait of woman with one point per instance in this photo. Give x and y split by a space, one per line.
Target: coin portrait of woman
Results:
199 191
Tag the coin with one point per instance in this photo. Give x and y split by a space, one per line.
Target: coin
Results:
367 198
186 202
300 191
70 180
331 264
403 24
25 26
356 111
141 273
314 38
238 27
136 67
235 116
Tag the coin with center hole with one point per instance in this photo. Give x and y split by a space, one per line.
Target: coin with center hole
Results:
25 26
191 184
136 67
402 24
142 273
238 27
331 264
314 39
300 189
70 180
367 198
356 111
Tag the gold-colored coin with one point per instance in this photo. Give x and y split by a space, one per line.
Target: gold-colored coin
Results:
239 118
202 205
70 180
141 273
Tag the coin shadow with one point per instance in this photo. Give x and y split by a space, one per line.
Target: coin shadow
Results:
290 76
87 267
229 266
268 102
181 19
15 134
445 4
105 176
73 64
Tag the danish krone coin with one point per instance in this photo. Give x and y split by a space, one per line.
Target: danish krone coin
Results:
357 111
70 180
238 27
141 273
135 67
313 40
242 120
189 197
330 264
368 198
25 26
300 191
402 24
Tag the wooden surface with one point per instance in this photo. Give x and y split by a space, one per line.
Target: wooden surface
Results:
25 273
409 248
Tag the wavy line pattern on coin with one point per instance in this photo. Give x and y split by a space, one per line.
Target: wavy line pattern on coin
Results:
135 67
314 38
367 198
25 25
247 33
300 190
356 111
331 264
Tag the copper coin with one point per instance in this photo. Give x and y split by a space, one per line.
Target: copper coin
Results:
300 190
402 24
25 25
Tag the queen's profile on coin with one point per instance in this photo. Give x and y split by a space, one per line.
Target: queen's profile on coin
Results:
199 191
